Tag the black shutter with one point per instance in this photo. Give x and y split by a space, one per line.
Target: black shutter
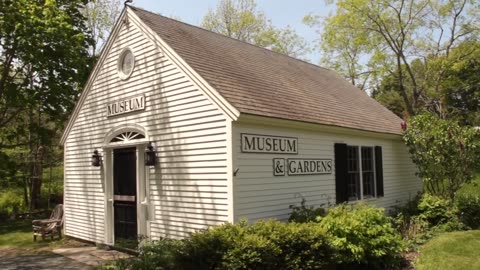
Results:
379 170
341 172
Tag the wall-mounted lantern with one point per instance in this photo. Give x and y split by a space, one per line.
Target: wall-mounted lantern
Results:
96 159
150 155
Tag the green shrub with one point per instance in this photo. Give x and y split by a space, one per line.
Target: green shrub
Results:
206 249
262 245
446 153
252 251
440 213
160 255
304 213
413 229
410 208
11 202
363 236
467 200
422 217
347 237
301 245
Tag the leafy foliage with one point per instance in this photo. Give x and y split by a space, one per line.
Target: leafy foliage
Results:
446 154
11 202
414 229
450 85
467 200
206 249
363 235
43 58
348 237
101 16
43 63
461 86
436 210
424 217
263 245
305 213
406 40
302 246
240 19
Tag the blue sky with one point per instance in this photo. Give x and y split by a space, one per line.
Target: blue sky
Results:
280 12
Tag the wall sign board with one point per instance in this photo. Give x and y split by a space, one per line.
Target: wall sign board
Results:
301 166
126 105
253 143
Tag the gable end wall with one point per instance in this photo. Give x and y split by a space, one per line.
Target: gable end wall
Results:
188 186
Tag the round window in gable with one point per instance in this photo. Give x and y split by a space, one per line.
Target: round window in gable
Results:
126 64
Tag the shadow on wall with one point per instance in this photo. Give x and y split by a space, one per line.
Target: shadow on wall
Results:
188 182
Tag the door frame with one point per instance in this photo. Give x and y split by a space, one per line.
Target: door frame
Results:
142 176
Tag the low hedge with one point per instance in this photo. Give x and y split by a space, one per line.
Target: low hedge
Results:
363 237
262 245
347 237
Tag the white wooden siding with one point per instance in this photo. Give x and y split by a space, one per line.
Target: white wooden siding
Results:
260 195
188 187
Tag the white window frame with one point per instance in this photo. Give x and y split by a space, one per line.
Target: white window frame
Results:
360 172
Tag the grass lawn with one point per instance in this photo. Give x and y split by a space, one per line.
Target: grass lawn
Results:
16 237
451 251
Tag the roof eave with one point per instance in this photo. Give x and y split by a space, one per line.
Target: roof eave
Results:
282 122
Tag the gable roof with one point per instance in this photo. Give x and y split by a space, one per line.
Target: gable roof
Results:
261 82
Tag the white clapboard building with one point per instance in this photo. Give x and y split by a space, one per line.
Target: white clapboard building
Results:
179 128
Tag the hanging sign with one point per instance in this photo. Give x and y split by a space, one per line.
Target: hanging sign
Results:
253 143
126 106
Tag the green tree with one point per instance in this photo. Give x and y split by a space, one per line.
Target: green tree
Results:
446 154
456 93
461 86
101 16
43 63
384 37
240 19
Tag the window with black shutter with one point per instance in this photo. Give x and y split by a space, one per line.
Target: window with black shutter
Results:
359 172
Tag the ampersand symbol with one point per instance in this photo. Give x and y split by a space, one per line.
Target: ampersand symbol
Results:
278 167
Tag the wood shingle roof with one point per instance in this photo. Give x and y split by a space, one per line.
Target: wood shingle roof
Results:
261 82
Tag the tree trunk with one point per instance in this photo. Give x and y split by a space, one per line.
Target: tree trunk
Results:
36 179
25 191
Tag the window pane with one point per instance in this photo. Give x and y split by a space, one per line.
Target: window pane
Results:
368 177
353 185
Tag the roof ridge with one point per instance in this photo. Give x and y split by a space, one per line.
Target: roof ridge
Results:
238 40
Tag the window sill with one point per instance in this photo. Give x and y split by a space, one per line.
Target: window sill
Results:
367 200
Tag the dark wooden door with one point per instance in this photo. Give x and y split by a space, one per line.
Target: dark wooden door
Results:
125 192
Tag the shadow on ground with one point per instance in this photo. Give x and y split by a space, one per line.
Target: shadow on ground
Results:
46 261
